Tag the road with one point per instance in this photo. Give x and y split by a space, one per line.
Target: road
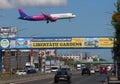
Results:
77 78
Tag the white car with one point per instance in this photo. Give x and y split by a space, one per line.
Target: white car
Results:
54 68
109 68
21 72
92 71
47 70
97 70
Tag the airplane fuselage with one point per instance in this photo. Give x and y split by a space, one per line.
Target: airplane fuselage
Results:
41 17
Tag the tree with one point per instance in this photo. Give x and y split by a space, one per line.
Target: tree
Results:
116 24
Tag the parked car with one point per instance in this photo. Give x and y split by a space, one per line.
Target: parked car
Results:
47 70
62 75
21 72
86 71
103 70
31 71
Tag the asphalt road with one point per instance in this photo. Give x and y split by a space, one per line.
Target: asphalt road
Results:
77 78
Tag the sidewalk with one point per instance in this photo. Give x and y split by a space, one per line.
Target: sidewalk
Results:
112 79
24 78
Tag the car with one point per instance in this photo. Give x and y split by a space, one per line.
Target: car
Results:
67 69
62 75
85 71
21 72
31 71
109 68
47 70
92 71
113 71
96 69
103 70
54 68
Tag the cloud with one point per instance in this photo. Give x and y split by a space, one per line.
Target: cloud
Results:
7 4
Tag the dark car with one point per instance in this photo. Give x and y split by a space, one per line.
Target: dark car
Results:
31 71
62 75
85 71
67 69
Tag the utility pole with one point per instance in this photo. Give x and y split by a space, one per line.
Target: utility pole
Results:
7 61
31 57
43 60
18 58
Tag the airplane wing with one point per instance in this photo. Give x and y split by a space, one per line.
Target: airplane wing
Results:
49 18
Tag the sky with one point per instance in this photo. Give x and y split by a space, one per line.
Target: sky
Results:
93 19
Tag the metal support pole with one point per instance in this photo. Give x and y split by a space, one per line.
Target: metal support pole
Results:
1 60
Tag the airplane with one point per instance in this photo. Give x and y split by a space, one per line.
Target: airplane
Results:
45 17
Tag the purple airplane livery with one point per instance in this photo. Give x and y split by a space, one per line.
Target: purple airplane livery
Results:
45 17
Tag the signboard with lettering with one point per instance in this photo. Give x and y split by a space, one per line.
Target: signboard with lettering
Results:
57 42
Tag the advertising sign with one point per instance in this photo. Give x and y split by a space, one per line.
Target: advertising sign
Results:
57 42
21 43
56 45
4 43
91 42
106 42
75 43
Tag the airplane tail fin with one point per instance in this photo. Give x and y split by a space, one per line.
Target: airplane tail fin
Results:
22 13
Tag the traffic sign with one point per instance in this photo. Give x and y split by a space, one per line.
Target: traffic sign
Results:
42 53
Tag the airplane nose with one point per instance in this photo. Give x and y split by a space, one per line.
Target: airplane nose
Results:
74 15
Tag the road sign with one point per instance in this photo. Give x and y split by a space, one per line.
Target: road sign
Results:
42 53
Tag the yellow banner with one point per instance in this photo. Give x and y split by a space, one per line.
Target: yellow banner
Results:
57 45
81 40
106 42
77 43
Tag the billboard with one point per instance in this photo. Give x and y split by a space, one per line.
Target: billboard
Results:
57 42
106 42
88 42
8 32
20 43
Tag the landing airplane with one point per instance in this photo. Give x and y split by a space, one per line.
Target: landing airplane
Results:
45 17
